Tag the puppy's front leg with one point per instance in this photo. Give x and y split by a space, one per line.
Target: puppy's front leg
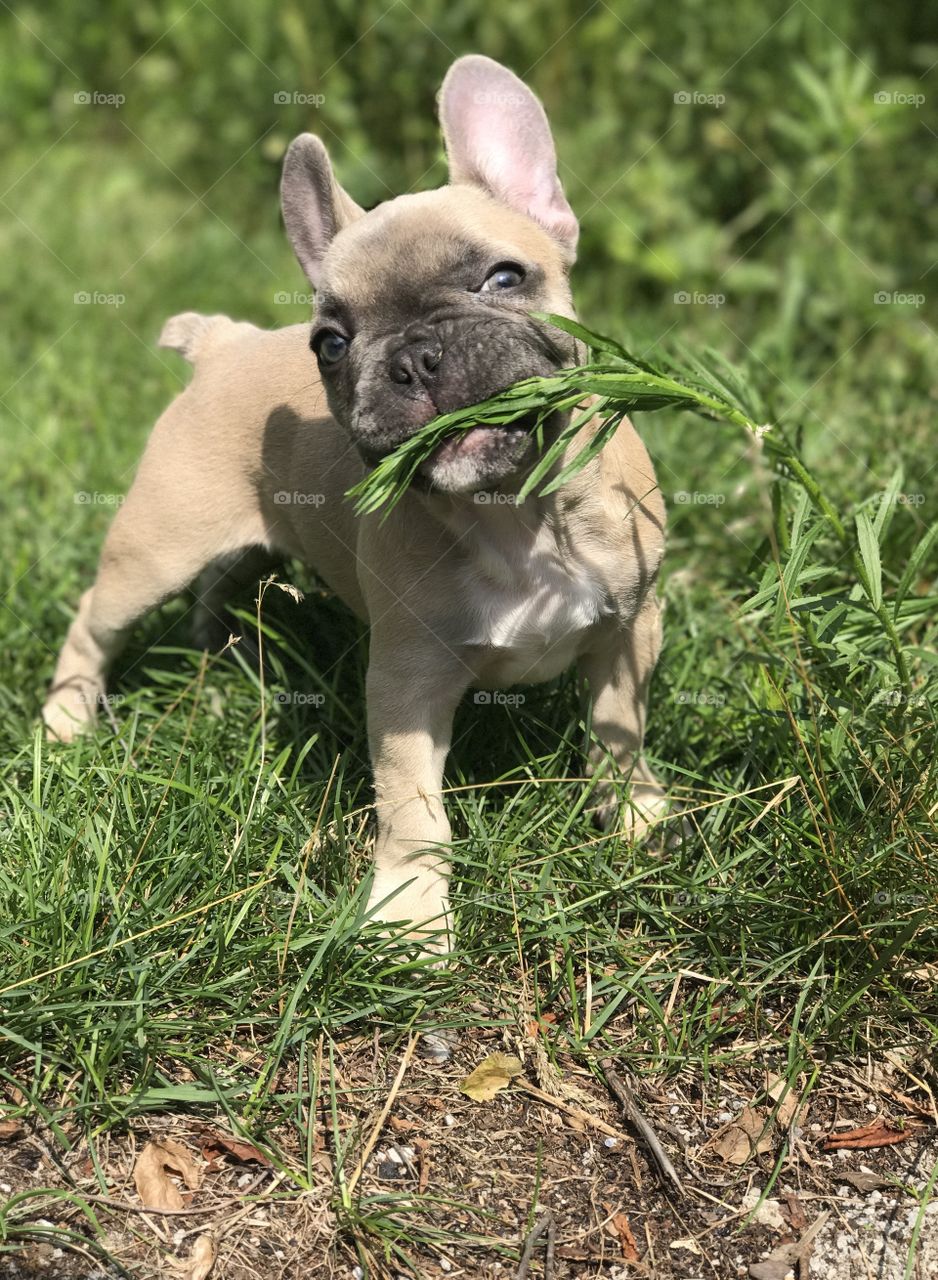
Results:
619 672
413 692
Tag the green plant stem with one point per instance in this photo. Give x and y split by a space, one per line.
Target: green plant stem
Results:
624 384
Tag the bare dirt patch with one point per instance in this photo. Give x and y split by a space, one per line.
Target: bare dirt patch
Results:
513 1186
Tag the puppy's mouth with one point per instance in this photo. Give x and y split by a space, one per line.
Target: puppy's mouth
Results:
478 442
478 458
483 457
467 364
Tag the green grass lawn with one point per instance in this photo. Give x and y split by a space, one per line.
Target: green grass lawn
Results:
180 900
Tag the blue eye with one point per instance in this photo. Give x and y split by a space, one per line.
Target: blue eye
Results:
507 275
330 346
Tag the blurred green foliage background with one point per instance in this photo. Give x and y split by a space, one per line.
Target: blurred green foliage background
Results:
797 198
777 165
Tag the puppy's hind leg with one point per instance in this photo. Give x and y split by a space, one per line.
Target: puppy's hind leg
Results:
174 522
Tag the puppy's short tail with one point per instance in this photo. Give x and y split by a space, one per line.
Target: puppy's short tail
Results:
190 333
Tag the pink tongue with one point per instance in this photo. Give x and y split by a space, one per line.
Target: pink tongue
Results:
465 442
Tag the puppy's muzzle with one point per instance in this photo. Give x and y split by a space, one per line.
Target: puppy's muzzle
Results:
437 365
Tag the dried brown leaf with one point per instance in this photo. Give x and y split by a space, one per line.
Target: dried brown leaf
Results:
788 1100
423 1154
623 1230
10 1129
862 1181
772 1269
152 1178
796 1213
215 1145
878 1134
201 1259
781 1262
743 1138
911 1104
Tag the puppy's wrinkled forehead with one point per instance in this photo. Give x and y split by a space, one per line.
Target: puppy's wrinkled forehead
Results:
400 257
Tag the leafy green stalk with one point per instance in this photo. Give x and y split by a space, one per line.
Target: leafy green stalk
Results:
622 383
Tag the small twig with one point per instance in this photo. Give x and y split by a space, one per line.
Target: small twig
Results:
623 1093
544 1223
551 1245
385 1112
577 1112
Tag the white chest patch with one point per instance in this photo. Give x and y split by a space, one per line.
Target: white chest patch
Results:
532 609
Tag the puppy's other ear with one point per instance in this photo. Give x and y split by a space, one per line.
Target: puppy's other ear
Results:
314 206
497 137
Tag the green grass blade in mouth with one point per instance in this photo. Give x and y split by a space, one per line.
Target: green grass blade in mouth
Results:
708 385
623 381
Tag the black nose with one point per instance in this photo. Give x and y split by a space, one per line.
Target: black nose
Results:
417 359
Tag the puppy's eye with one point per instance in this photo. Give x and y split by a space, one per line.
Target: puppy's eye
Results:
330 346
507 275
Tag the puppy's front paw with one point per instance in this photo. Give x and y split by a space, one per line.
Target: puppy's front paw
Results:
70 711
635 810
415 897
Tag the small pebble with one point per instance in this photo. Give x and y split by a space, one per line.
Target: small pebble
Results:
436 1046
610 1142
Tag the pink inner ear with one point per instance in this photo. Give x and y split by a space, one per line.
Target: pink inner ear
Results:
531 188
497 135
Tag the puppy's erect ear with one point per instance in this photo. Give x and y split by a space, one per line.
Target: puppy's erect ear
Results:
314 206
497 137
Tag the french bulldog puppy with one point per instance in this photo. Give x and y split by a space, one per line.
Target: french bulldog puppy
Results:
422 306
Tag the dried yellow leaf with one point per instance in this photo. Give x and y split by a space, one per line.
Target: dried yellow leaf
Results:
493 1074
